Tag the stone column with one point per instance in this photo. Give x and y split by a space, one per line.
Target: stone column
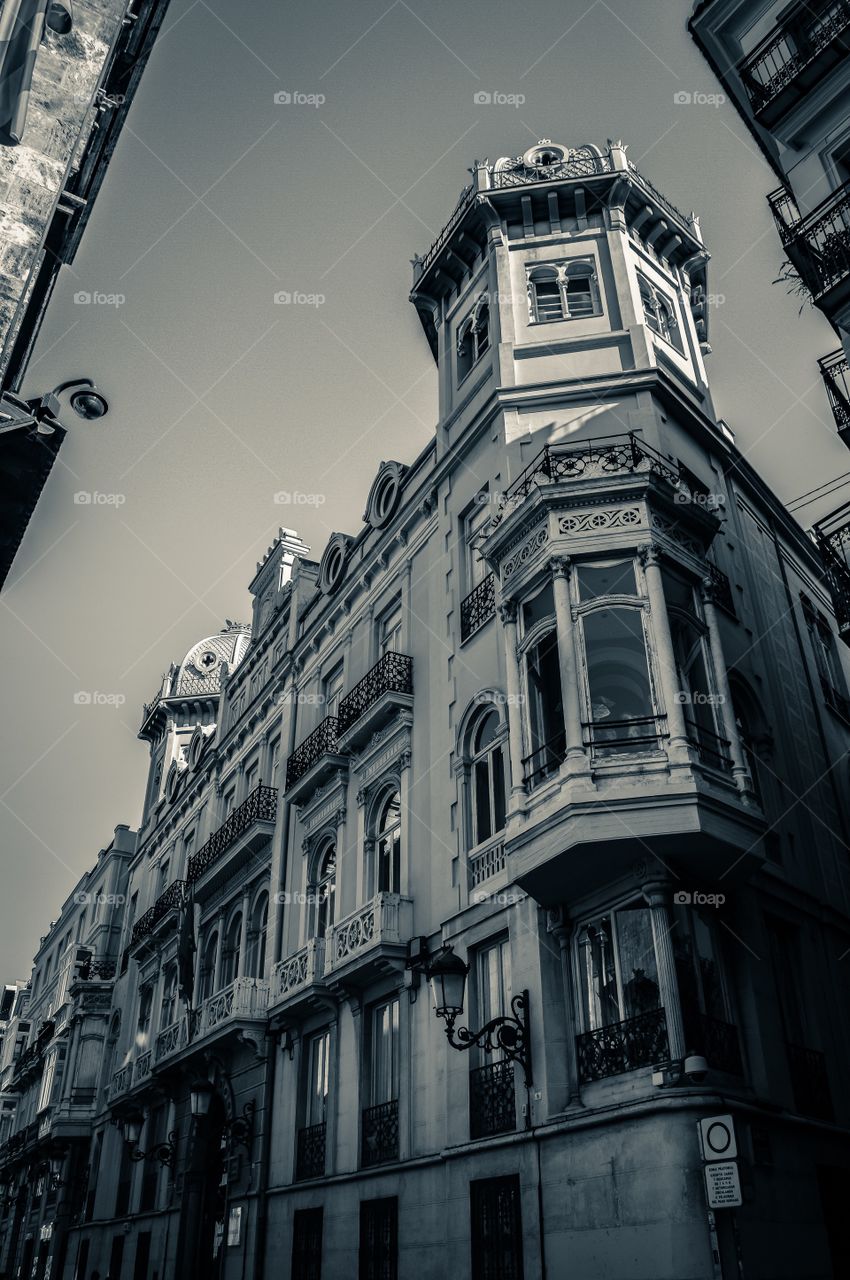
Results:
679 748
657 895
740 772
243 935
576 760
219 951
507 614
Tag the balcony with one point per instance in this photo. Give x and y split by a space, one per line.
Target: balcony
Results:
310 1152
486 861
795 57
379 1134
832 535
834 371
374 700
818 245
171 900
723 597
121 1080
170 1040
492 1100
809 1082
716 1040
623 1046
478 607
314 761
245 1000
94 970
368 941
236 840
297 981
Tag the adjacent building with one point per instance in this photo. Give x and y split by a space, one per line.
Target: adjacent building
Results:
567 717
61 113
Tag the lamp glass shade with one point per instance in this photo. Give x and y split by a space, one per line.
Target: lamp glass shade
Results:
56 1165
200 1097
447 976
133 1129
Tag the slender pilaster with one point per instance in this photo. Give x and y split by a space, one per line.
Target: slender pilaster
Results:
740 772
679 749
243 935
507 614
576 760
657 895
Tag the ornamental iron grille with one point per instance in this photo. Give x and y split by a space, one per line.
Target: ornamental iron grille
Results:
465 200
393 673
170 900
496 1214
819 244
310 1152
715 1039
622 1046
810 1082
836 375
379 1141
379 1239
722 588
492 1100
478 607
307 1244
558 462
321 742
92 970
581 163
712 750
260 806
833 539
790 50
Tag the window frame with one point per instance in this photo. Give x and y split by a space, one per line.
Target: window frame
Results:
583 996
471 758
475 331
672 333
561 272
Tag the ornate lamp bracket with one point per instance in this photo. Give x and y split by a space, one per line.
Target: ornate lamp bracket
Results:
507 1034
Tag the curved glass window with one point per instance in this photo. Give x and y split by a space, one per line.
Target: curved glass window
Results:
622 713
487 768
326 892
617 968
389 845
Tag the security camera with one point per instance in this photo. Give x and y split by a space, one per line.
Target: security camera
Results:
696 1068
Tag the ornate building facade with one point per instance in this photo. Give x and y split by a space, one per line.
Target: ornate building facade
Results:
564 721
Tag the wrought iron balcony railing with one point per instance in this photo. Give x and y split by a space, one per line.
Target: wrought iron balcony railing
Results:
623 1046
811 38
809 1081
711 748
716 1040
819 243
170 900
465 200
836 376
310 1152
623 737
94 970
393 673
260 806
722 589
379 1137
545 760
596 458
478 607
832 535
322 741
492 1100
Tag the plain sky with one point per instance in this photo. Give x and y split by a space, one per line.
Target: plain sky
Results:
218 197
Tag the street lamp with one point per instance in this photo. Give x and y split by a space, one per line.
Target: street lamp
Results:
200 1097
507 1033
43 412
164 1152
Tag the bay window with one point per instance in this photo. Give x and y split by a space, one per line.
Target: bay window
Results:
694 670
620 704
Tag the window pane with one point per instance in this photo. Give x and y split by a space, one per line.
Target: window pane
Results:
637 961
598 975
546 716
547 295
487 730
579 296
481 787
615 579
539 607
498 788
618 675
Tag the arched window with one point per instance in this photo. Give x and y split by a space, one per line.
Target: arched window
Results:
325 890
544 703
487 777
230 955
111 1054
473 338
620 708
388 844
207 984
257 934
564 291
168 1006
660 313
545 294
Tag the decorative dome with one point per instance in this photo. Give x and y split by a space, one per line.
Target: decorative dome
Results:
201 670
549 159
